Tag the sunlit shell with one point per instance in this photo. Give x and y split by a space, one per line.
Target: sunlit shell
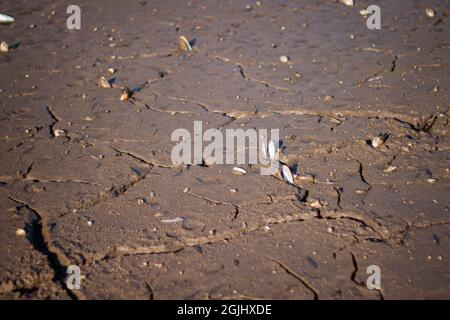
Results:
430 12
349 3
5 19
183 44
179 219
125 94
271 150
287 175
239 170
104 83
59 133
284 59
4 47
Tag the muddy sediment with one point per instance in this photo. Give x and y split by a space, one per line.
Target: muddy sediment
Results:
89 175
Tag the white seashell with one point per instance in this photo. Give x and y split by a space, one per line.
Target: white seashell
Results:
263 150
376 142
20 233
5 19
183 44
364 12
59 133
287 175
430 12
4 47
239 170
271 150
104 83
390 169
349 3
284 59
179 219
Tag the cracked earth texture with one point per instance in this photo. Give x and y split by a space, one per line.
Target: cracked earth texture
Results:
77 195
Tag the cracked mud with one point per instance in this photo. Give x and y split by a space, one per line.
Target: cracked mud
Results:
90 179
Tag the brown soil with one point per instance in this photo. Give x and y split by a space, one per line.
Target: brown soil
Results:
77 195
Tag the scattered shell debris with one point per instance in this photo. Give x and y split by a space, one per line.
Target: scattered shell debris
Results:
183 44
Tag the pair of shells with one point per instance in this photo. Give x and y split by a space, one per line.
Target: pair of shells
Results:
271 151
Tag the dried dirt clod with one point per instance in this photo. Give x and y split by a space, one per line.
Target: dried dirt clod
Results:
4 47
184 44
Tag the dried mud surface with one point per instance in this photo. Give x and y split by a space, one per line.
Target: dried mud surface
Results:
77 196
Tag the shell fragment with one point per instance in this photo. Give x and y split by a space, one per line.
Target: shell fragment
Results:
183 44
239 170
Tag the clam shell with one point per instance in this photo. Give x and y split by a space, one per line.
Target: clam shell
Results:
239 170
271 150
183 44
5 19
179 219
125 94
4 47
104 83
287 175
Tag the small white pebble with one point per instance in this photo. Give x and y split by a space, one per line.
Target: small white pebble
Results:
284 59
20 233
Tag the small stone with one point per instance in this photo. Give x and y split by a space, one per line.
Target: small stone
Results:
248 7
328 98
141 201
90 223
152 195
330 230
284 59
111 70
20 233
430 12
431 180
233 190
186 190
